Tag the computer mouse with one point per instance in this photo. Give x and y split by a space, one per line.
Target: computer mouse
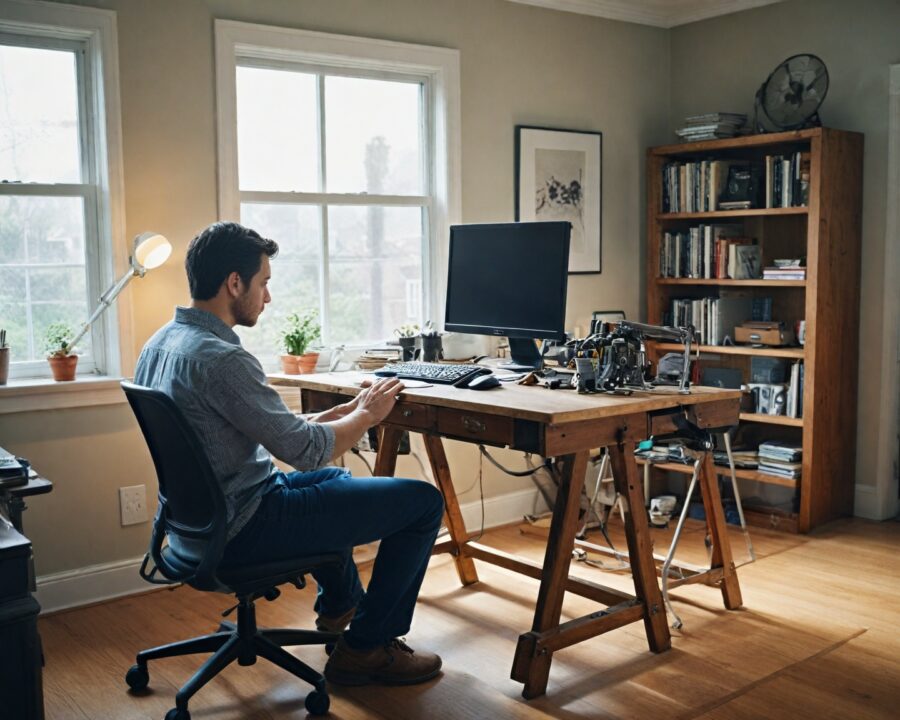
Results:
484 382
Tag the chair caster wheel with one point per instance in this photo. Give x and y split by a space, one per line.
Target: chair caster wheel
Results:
317 703
177 714
137 677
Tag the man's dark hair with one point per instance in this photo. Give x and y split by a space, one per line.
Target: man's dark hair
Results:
221 249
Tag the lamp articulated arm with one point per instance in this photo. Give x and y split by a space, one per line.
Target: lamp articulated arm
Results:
106 300
150 251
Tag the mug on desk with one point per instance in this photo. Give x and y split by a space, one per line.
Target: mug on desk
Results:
431 350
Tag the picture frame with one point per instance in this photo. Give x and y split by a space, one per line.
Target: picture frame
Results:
559 177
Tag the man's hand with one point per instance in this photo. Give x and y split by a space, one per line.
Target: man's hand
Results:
378 400
371 406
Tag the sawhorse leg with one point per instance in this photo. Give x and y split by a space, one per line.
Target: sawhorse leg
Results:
453 519
528 668
718 534
640 552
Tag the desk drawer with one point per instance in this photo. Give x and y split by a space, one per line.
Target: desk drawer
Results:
413 416
491 429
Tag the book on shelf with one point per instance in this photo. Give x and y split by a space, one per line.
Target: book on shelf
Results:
780 468
762 309
786 273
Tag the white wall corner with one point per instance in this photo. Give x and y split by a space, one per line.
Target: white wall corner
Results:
885 490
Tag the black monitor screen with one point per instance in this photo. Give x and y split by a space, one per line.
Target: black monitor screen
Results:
508 279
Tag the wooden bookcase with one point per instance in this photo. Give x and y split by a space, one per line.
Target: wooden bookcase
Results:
827 233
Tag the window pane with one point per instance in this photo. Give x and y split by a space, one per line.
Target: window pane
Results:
295 270
373 136
39 138
42 271
277 130
375 272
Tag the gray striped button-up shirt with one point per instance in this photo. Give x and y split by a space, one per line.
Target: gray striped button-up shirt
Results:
221 389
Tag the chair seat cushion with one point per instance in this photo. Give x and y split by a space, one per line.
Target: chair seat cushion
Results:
248 578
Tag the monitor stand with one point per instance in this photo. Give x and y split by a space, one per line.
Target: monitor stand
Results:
523 355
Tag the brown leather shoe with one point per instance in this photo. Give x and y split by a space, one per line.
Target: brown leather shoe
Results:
392 664
335 624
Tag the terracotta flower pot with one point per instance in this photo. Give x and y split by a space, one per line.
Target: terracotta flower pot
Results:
63 368
290 364
307 362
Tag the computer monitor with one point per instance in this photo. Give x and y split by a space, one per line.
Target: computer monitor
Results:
509 279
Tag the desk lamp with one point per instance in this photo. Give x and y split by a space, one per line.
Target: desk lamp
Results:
150 251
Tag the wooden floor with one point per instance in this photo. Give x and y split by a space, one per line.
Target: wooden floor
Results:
819 637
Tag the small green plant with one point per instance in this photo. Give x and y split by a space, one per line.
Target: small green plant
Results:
300 331
407 331
58 340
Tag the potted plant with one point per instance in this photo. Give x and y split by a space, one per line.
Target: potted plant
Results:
60 352
406 336
299 332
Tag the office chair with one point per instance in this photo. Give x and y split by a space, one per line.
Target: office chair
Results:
192 506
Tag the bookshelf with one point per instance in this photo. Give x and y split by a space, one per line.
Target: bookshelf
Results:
826 231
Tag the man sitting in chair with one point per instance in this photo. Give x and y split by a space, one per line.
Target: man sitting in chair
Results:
197 359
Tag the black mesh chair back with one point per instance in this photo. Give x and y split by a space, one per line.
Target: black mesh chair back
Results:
191 501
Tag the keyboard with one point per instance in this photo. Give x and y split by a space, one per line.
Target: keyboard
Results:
442 373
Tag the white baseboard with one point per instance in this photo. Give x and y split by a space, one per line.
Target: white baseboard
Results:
91 584
95 583
868 503
503 509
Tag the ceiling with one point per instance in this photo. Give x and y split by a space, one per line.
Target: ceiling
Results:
659 13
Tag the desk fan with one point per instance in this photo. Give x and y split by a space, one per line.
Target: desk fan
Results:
790 97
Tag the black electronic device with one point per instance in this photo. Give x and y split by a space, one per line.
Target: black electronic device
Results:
442 373
483 382
791 96
509 279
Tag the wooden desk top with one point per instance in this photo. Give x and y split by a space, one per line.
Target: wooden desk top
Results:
525 402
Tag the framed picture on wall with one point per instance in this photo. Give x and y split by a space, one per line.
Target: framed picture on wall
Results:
558 177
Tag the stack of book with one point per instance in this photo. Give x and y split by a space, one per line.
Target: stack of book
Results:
785 269
743 459
711 126
780 458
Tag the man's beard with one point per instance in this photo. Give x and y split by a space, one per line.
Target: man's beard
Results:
243 311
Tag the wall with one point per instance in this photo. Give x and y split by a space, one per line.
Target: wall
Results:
718 64
519 65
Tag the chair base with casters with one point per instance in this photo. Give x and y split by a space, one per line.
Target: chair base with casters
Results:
243 642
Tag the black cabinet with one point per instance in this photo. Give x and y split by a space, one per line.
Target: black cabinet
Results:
21 692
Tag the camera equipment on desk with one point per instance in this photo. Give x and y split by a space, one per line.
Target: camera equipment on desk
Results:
614 360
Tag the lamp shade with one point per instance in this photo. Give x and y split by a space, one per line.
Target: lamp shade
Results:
151 250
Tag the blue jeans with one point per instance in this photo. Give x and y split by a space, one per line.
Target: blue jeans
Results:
329 510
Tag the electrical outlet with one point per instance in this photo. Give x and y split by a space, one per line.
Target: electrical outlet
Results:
133 504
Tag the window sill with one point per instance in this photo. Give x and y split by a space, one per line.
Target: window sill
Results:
29 395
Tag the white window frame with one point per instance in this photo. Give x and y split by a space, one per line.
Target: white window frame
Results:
93 33
437 68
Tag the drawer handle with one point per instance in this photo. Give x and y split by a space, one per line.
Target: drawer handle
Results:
406 413
473 425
